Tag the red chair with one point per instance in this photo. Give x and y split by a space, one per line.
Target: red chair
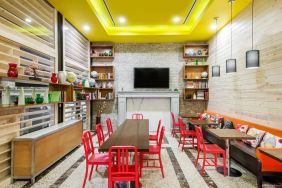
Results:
153 150
175 125
91 157
184 133
122 168
137 116
100 134
109 126
154 137
213 149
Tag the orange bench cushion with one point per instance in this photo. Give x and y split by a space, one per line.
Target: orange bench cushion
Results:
268 164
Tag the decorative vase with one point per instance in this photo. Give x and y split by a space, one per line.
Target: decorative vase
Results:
12 71
197 61
71 77
62 77
21 100
39 99
6 96
46 96
94 74
54 78
104 84
204 74
33 95
109 85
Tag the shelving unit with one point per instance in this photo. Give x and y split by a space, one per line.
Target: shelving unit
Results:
105 76
195 84
102 52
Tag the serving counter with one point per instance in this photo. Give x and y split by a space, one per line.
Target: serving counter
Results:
34 152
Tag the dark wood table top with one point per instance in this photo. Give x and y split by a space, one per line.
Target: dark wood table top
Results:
190 116
201 122
272 153
230 134
129 133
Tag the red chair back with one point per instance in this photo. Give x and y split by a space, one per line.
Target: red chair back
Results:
182 125
109 126
158 129
122 163
87 144
100 134
137 116
200 138
160 140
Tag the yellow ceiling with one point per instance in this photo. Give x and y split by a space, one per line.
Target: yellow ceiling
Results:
147 20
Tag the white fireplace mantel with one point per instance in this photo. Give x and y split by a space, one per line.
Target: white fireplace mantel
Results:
124 95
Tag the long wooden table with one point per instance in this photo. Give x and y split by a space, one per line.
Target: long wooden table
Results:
130 132
200 122
227 135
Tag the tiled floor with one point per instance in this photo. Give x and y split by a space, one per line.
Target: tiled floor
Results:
179 169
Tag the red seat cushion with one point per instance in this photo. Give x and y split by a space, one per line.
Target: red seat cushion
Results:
153 137
100 158
188 133
213 148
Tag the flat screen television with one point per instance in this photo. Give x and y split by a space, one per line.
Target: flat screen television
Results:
151 77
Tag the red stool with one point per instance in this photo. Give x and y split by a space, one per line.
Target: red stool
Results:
153 150
184 133
109 126
137 116
122 168
154 137
208 149
91 157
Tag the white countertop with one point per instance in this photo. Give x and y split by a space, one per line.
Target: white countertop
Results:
46 131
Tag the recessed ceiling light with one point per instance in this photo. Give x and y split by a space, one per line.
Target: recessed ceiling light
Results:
65 28
213 26
28 20
121 20
176 19
86 27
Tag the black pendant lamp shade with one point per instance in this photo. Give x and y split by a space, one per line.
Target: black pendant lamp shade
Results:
252 56
216 68
252 59
216 71
231 63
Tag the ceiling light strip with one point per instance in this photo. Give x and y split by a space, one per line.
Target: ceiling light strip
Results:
109 12
190 11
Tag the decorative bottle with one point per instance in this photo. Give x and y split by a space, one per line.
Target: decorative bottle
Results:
12 71
46 98
21 97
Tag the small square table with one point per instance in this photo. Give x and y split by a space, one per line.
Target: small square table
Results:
227 135
201 122
275 154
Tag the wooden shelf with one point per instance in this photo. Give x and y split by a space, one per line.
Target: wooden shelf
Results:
103 57
196 56
103 52
112 79
196 100
196 79
196 65
196 88
102 99
194 51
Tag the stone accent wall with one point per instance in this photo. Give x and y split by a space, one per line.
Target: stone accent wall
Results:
130 55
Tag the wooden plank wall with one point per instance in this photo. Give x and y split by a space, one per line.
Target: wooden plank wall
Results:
250 94
25 43
77 60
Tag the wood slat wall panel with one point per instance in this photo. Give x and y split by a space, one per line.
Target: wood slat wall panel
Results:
250 94
15 53
76 52
42 28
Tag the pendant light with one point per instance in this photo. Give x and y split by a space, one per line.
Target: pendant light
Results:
231 63
252 56
215 68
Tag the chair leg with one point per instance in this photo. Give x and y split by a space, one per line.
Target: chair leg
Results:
141 164
215 160
91 171
180 140
161 165
198 155
193 143
204 163
85 176
137 182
